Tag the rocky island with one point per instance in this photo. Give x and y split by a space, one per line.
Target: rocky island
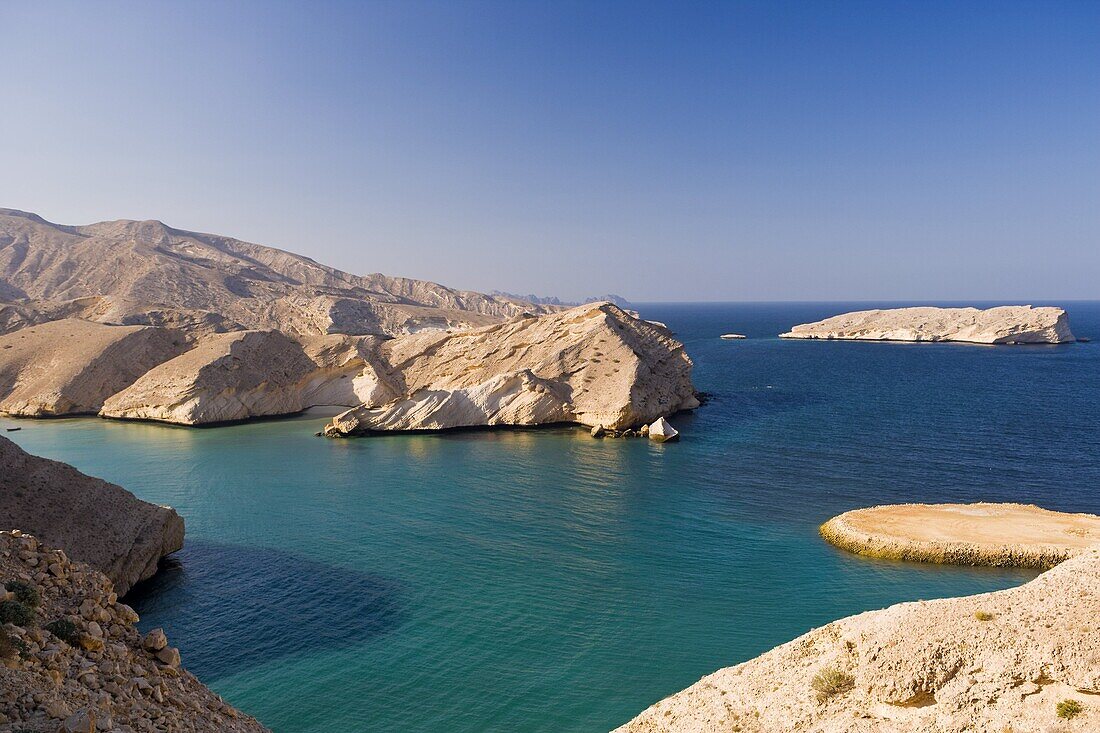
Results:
1010 324
1023 659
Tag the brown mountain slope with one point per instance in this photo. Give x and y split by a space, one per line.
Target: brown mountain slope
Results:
144 272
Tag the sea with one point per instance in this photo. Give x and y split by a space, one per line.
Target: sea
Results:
542 580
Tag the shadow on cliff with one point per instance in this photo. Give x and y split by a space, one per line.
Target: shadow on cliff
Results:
229 607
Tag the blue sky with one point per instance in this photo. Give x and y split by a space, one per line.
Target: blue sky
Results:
664 151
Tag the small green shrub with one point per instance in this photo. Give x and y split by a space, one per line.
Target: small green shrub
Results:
11 645
1068 709
831 681
65 630
14 612
24 592
983 615
7 647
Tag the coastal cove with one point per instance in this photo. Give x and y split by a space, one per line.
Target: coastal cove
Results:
541 580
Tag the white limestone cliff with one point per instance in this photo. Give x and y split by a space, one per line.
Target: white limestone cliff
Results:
592 365
245 374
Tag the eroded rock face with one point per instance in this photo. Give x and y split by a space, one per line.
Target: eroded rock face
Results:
992 662
593 365
71 366
1010 324
79 664
95 522
244 374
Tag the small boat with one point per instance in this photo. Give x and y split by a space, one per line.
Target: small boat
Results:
12 430
733 335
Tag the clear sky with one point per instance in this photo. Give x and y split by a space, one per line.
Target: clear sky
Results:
674 151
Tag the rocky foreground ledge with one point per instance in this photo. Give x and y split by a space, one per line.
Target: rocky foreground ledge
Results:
1005 535
72 661
1014 661
1010 324
94 521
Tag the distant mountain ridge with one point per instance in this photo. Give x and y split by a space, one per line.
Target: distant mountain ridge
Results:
145 272
552 300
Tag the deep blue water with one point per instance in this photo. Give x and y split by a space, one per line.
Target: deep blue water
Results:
546 581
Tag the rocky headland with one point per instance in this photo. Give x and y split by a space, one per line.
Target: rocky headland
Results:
595 365
1006 535
136 320
94 521
72 660
1010 324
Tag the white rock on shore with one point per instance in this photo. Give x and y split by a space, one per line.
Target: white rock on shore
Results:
592 365
661 431
1008 324
997 662
94 521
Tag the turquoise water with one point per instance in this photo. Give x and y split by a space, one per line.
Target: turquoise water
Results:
546 581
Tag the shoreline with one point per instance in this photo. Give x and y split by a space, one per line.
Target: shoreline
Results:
991 661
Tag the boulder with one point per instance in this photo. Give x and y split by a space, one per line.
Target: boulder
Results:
661 431
169 656
155 640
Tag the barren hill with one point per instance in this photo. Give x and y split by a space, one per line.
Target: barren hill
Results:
147 273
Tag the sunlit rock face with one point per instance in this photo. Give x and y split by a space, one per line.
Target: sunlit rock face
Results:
72 366
592 365
245 374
